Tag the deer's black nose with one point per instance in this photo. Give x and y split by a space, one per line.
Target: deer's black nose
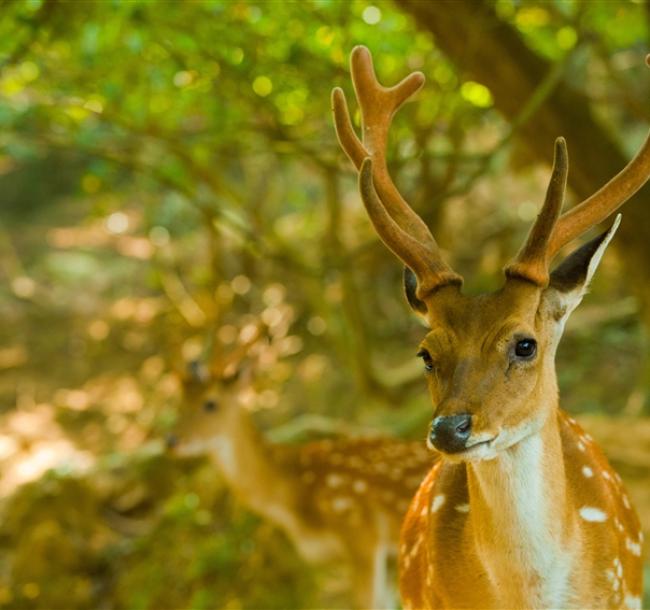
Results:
450 433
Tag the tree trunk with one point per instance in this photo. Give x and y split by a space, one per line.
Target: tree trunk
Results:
477 41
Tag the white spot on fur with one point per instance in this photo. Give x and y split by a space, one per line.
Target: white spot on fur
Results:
360 486
595 515
334 480
381 468
633 547
626 502
588 472
606 475
416 547
609 574
341 504
633 602
462 508
581 445
619 567
438 501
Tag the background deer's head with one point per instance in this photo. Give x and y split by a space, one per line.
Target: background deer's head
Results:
213 393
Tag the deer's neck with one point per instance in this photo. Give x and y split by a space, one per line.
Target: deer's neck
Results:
251 469
247 463
246 460
518 513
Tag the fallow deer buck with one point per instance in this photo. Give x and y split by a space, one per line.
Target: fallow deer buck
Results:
337 500
523 509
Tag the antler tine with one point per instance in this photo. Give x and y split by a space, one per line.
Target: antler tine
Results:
532 262
431 272
224 362
605 201
550 233
347 137
391 215
378 104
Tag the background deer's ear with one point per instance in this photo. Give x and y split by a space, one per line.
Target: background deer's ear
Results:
570 280
196 371
410 287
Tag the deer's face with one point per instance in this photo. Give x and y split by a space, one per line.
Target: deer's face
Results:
489 363
490 358
204 416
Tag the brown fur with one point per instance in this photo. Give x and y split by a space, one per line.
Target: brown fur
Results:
447 572
339 501
507 520
491 556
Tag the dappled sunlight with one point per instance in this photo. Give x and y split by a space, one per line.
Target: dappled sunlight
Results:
186 264
32 443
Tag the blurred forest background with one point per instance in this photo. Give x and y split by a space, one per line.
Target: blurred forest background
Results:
169 176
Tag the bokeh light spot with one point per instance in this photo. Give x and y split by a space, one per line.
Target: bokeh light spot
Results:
371 15
117 222
159 236
23 286
476 94
316 325
240 284
263 86
566 38
183 78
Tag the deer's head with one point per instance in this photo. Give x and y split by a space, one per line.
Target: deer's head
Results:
489 359
211 397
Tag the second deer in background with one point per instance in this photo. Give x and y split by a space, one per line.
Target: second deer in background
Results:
336 500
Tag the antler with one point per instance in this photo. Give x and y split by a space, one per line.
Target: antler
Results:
401 229
225 363
603 202
531 262
549 233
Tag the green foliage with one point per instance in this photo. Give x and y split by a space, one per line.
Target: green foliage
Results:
168 175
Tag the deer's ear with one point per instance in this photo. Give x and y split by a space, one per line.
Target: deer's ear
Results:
570 280
410 287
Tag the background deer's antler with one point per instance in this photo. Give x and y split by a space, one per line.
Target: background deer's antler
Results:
226 363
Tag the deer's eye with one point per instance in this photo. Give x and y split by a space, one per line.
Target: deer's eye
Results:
210 406
525 349
426 358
